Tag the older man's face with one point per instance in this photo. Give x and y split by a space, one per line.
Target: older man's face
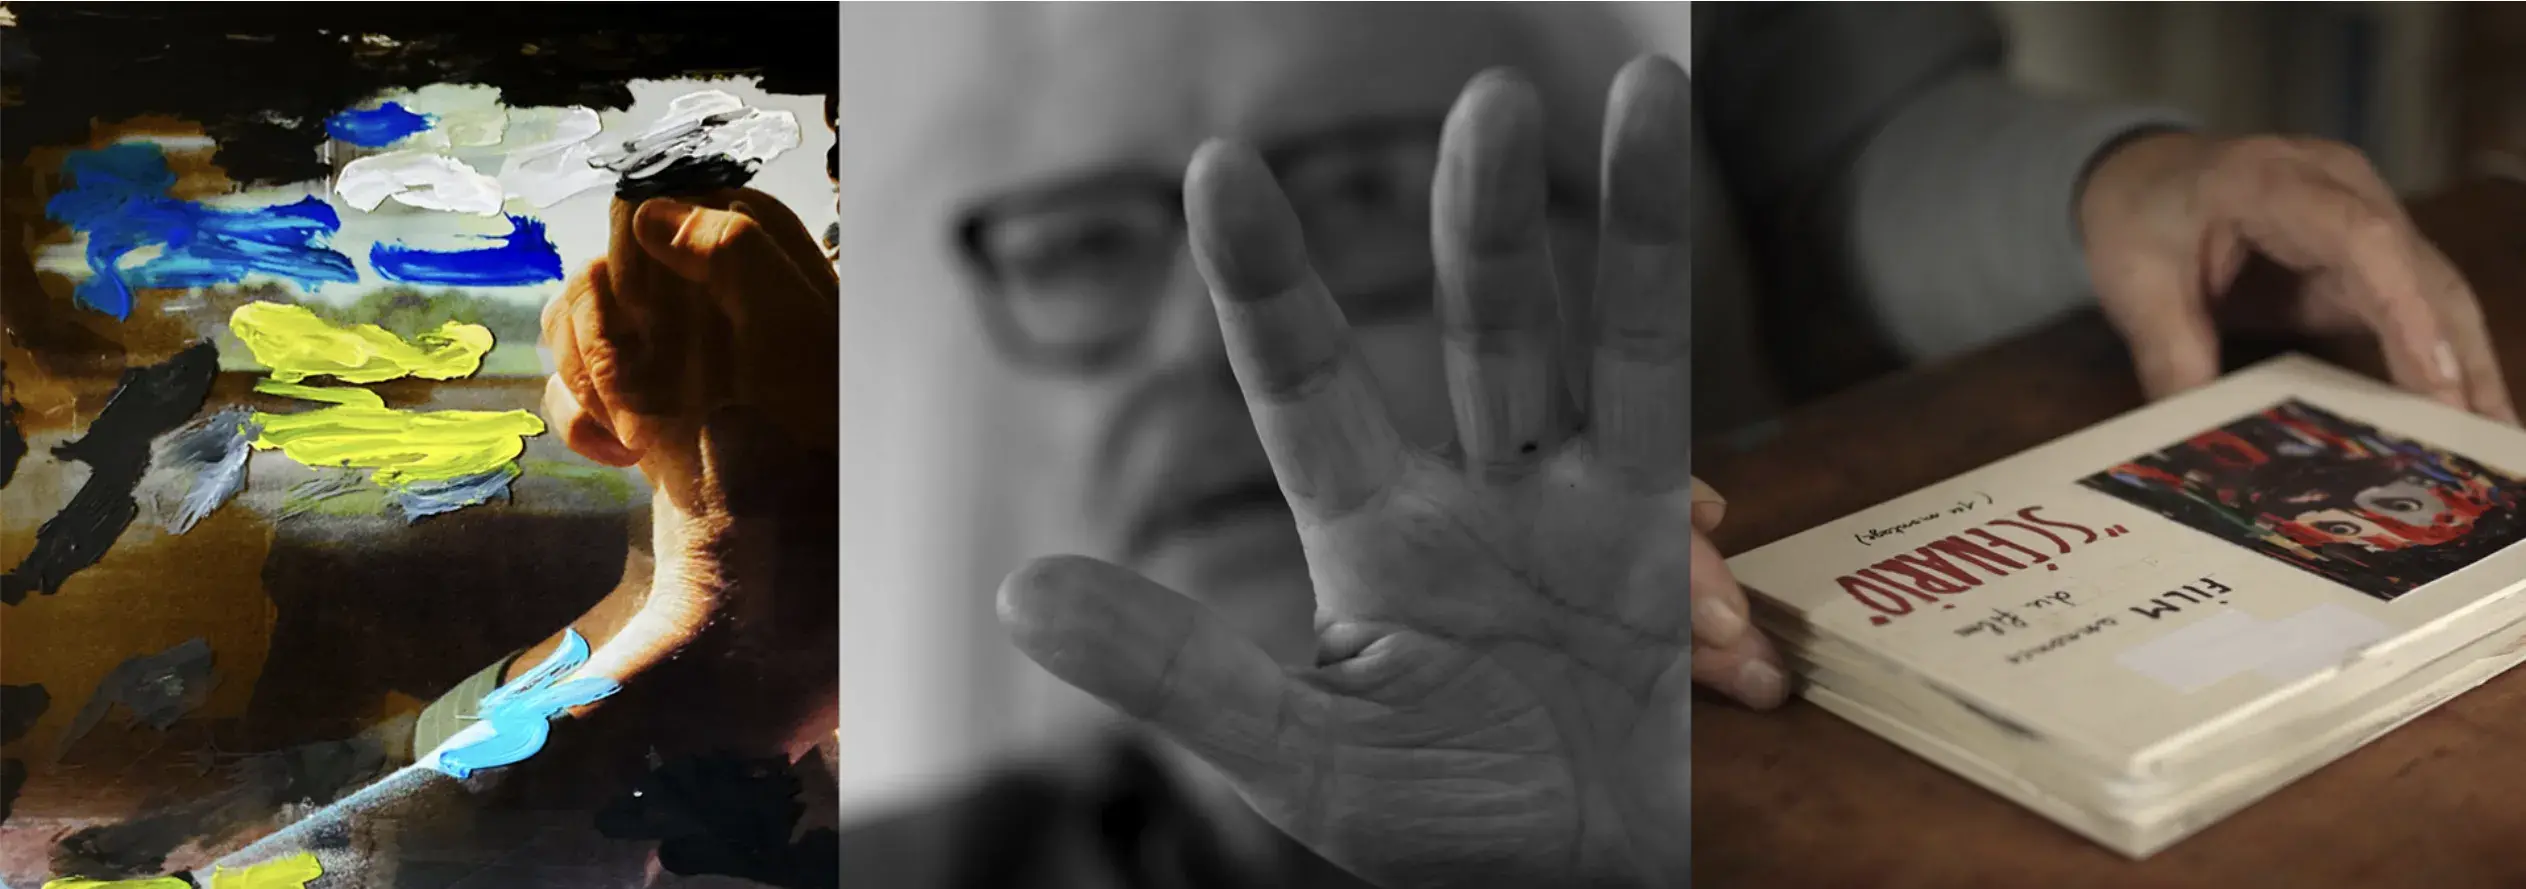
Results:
1078 246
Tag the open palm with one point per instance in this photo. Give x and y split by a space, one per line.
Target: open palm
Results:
1502 628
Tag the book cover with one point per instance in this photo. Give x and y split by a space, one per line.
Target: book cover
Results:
2124 593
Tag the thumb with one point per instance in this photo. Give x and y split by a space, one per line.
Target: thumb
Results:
1708 507
2158 308
1160 658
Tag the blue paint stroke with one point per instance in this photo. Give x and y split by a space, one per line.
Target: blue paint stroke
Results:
377 127
517 718
420 500
216 450
524 256
119 198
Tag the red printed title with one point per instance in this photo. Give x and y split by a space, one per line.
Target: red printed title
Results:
1958 563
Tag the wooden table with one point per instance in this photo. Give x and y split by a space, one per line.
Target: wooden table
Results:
1799 798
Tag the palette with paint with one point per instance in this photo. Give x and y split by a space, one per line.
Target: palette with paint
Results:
2146 626
272 476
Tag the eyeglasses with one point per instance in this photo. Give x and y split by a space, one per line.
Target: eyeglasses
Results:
1072 276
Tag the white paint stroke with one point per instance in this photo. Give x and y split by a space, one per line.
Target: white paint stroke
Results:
706 124
552 156
423 179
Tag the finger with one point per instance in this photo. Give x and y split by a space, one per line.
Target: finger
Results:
2174 341
1639 412
797 243
1159 658
580 429
1497 309
777 221
1708 507
2459 311
783 321
2469 335
1729 654
585 398
2304 220
1312 397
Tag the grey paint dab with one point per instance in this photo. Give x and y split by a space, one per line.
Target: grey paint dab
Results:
157 689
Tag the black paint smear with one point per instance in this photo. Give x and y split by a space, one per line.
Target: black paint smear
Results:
12 780
262 77
157 689
20 707
727 816
147 403
313 774
12 442
686 176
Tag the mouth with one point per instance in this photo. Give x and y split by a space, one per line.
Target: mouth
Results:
1248 498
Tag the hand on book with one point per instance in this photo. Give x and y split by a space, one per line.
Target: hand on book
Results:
2170 220
1730 655
1496 694
701 349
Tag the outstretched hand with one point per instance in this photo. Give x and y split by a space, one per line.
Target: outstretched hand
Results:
1497 696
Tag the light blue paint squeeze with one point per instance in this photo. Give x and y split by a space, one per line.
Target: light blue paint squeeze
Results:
524 256
515 720
118 197
420 500
377 127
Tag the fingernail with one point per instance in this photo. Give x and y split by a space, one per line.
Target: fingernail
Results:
1716 623
1759 684
1245 237
2445 356
1708 507
659 219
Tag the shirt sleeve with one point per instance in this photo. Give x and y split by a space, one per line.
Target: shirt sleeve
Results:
1885 143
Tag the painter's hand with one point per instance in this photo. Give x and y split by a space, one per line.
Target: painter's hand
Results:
1497 696
2170 220
703 350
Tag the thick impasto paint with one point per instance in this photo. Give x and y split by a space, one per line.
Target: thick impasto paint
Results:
148 402
296 344
707 140
270 427
154 690
523 256
118 198
291 872
203 466
378 127
514 721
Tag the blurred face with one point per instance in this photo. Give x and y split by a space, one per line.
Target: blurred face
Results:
1084 281
2392 516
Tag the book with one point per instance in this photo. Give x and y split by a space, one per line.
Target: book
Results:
2145 626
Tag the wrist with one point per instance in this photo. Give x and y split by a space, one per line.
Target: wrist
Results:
2134 177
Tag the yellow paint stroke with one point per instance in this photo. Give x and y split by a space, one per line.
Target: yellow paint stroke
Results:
296 344
151 883
281 873
361 432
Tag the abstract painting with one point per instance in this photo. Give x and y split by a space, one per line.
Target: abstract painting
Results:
2344 500
271 466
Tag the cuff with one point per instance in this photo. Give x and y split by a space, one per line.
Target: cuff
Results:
1963 211
453 710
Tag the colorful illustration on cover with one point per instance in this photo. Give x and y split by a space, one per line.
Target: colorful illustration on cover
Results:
2361 507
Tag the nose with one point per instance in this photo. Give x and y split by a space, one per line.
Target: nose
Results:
1184 338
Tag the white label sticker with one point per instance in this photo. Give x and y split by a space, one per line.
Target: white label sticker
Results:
2233 642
